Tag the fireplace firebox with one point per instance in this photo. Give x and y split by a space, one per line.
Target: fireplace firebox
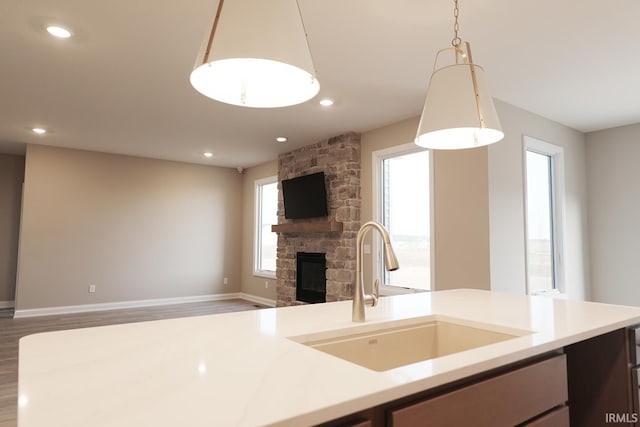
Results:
311 277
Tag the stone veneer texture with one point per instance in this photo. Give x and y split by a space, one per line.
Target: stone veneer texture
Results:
339 159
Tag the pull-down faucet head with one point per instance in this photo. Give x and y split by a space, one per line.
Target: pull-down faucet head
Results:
390 259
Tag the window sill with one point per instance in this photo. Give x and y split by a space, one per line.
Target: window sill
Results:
265 274
387 290
553 293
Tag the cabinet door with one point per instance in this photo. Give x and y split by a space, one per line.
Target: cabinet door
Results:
556 418
504 400
599 379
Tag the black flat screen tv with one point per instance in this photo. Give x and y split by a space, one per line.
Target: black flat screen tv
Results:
305 196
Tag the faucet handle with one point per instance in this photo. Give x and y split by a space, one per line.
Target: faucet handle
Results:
376 292
372 299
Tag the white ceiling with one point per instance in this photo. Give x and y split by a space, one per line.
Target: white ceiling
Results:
121 84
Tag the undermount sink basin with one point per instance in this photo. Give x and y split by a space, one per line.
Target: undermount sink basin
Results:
389 347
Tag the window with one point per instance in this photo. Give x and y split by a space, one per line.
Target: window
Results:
544 202
402 205
266 241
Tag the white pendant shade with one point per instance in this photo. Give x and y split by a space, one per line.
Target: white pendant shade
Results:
259 56
458 112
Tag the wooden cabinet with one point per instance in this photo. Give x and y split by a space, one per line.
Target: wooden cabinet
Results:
557 418
599 379
533 393
373 417
588 383
507 399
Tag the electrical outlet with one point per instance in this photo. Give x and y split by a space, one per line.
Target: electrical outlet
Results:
92 289
266 284
225 281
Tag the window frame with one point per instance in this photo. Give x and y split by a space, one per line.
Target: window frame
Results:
557 178
377 264
257 235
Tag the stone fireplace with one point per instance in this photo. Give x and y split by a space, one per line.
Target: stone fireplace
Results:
334 236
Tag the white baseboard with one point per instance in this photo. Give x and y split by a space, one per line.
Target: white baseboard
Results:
7 304
84 308
258 300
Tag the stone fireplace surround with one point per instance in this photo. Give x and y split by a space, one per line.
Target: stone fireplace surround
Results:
339 158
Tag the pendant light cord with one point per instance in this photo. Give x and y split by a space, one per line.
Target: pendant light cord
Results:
456 42
213 32
306 38
456 27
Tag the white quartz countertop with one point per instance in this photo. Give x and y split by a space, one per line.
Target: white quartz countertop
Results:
241 369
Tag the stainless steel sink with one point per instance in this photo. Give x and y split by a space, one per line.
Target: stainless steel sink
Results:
388 347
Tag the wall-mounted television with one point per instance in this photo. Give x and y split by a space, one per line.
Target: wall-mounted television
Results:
305 196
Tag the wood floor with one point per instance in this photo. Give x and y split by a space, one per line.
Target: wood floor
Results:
11 330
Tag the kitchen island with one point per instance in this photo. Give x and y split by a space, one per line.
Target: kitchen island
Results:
250 368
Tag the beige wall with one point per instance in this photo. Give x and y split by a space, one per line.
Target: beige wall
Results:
506 201
461 219
461 228
254 285
11 178
614 212
136 228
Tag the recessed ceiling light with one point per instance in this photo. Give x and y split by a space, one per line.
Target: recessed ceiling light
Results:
207 154
59 32
326 102
39 131
281 139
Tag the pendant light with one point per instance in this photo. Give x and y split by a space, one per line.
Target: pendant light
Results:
458 110
256 55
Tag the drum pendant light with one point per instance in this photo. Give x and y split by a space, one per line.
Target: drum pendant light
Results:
256 55
458 111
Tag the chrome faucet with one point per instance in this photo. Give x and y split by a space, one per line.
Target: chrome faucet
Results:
360 299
